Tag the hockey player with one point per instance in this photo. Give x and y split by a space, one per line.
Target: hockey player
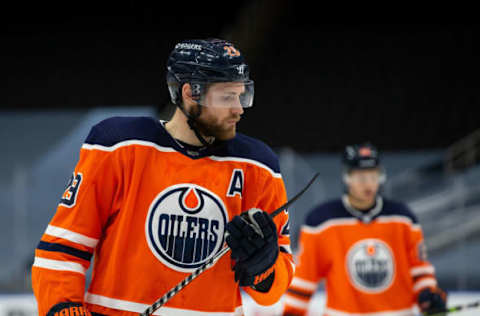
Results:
150 201
370 250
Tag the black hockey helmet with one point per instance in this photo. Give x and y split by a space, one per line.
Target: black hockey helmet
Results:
362 156
201 62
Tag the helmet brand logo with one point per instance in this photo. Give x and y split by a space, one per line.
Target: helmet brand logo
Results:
188 46
241 69
231 51
365 152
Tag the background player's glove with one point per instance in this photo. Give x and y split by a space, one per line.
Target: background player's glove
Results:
432 301
68 309
252 237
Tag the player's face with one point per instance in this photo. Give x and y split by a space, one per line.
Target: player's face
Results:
222 110
363 184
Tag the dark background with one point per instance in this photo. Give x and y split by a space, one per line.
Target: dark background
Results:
318 86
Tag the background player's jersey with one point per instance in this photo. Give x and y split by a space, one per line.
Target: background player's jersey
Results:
150 211
373 263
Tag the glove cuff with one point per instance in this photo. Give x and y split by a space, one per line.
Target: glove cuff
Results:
264 275
68 309
266 283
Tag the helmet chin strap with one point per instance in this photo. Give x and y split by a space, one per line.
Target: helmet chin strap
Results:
192 122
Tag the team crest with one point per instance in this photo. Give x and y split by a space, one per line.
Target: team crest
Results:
185 226
371 265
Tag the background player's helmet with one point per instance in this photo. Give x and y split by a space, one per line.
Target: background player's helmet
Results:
362 156
201 62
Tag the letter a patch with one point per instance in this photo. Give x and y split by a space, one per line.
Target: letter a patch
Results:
236 183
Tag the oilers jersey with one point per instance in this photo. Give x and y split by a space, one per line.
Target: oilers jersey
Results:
147 211
373 262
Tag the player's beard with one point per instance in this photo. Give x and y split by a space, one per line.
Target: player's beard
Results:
220 130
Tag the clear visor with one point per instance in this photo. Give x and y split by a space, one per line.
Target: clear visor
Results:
365 178
374 176
228 94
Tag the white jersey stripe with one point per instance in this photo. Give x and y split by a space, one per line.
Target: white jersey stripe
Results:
71 236
140 308
401 312
304 284
254 162
353 221
423 283
422 270
58 265
329 223
398 219
127 143
169 149
295 302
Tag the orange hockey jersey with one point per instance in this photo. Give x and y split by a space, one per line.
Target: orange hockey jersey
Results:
150 210
373 262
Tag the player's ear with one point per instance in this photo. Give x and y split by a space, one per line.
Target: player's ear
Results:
188 101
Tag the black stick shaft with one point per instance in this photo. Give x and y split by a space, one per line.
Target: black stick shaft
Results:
454 309
177 288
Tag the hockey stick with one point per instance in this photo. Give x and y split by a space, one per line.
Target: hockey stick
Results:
177 288
454 309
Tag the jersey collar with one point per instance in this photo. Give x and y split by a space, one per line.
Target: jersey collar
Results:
191 151
365 217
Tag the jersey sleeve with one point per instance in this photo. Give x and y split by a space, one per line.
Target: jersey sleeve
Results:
421 270
272 195
311 267
68 243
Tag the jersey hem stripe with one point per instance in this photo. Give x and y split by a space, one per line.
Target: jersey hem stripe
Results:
295 302
71 236
109 302
58 265
401 312
296 292
303 284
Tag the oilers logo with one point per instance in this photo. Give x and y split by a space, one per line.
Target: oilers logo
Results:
185 226
371 265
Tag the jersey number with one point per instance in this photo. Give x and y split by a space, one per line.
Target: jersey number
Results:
69 197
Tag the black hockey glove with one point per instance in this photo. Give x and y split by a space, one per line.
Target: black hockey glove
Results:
253 239
432 301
